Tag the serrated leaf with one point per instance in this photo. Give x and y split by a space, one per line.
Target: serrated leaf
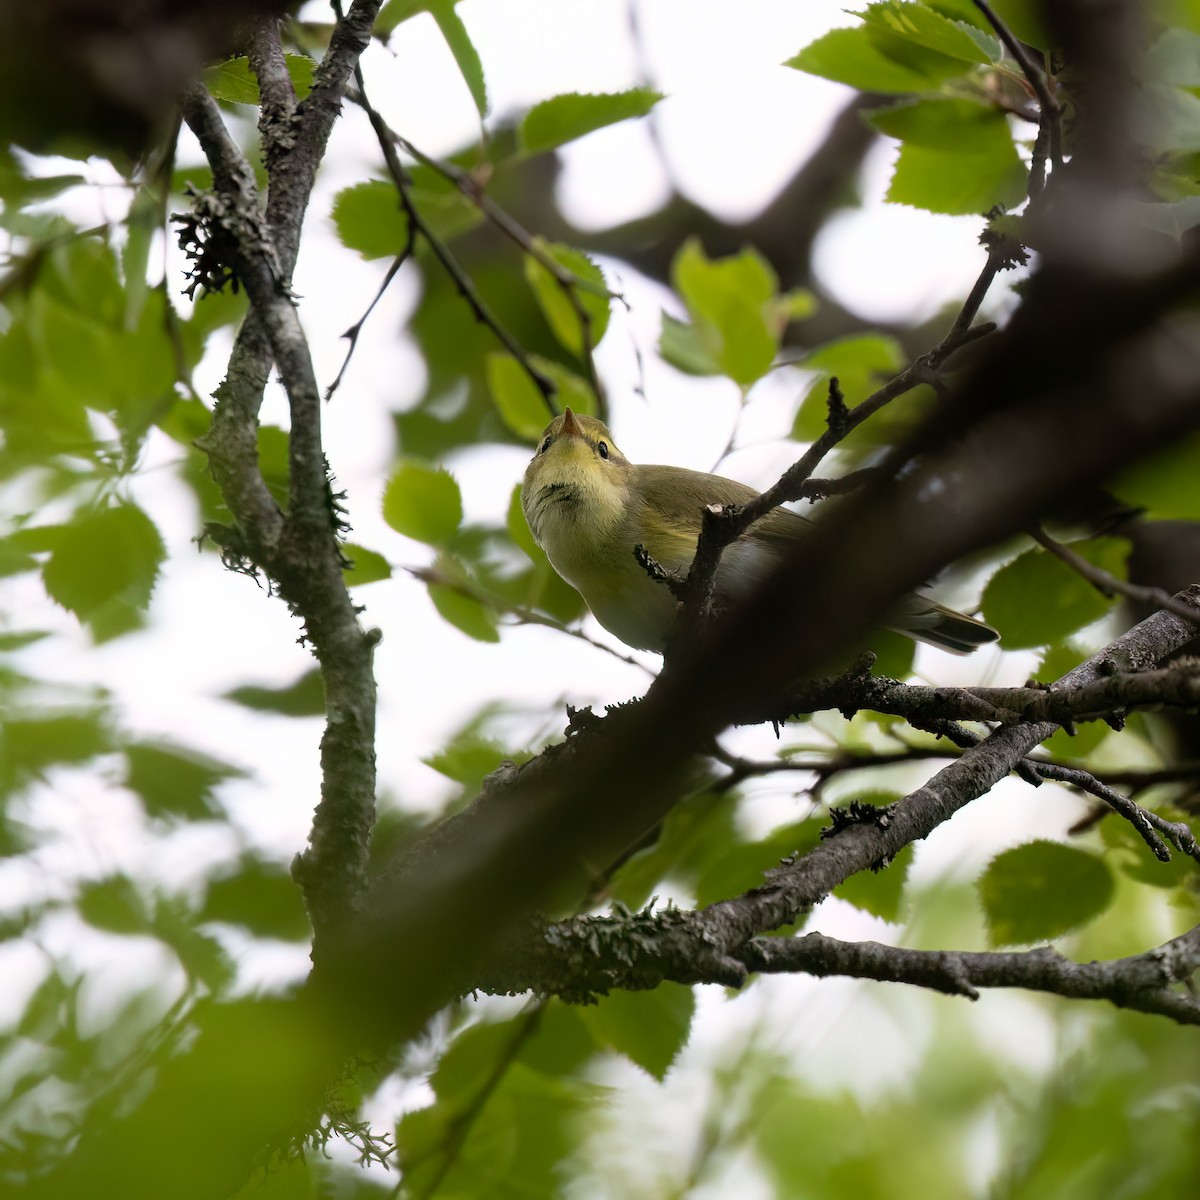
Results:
304 698
565 118
919 24
110 553
366 566
744 865
517 398
175 781
463 49
733 305
590 293
962 184
570 389
1037 599
464 612
650 1028
422 501
874 59
1042 890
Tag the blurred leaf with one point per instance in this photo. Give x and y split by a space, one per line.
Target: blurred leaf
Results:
1165 483
649 1027
699 832
369 218
565 118
517 398
561 1043
683 346
732 303
32 744
366 566
1042 890
464 612
114 905
590 294
1055 662
175 781
1037 599
463 49
109 553
234 82
880 893
861 364
259 896
572 391
744 865
200 955
423 502
304 698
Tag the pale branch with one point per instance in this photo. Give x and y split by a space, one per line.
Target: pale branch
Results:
584 957
299 549
1104 698
1105 582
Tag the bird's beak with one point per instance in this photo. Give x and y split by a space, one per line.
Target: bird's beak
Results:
570 427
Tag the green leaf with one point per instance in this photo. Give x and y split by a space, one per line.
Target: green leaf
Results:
880 893
920 24
1165 484
1037 599
570 389
861 365
234 82
469 757
958 156
1057 660
260 896
369 218
590 294
1042 890
304 698
649 1028
174 781
32 744
683 346
565 118
463 49
874 59
517 398
114 905
395 13
971 181
423 502
366 566
464 612
110 553
733 304
744 865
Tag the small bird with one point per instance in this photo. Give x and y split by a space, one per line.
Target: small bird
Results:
588 506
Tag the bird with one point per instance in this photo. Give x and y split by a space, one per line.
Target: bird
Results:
588 507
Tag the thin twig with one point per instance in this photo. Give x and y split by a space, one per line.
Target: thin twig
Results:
1037 80
352 334
1107 583
462 281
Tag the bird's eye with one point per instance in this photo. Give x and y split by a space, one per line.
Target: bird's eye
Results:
544 446
602 447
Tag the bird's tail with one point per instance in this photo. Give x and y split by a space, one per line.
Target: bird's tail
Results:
928 621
